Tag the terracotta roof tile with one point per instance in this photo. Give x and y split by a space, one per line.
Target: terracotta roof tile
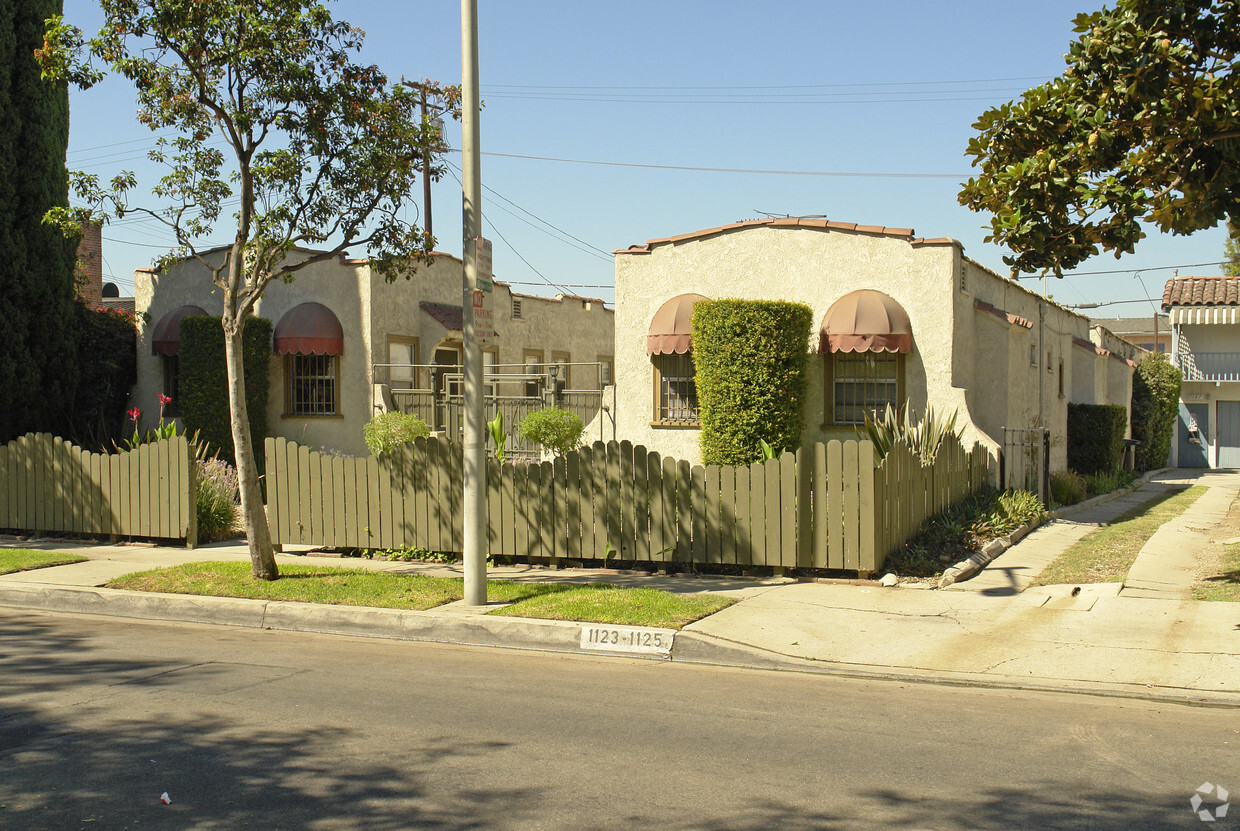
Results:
452 317
781 222
1201 291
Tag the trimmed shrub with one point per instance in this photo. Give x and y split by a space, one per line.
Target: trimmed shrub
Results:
557 430
392 429
1096 437
204 383
1155 403
752 359
107 367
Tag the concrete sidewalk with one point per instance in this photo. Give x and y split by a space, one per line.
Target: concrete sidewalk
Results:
1145 640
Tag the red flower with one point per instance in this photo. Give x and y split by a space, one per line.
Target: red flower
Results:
164 400
134 414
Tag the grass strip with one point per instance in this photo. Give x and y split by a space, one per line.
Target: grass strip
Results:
23 559
602 603
618 605
1225 583
1106 555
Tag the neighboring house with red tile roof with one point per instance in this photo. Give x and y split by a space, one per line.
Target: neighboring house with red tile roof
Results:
1205 321
951 334
348 343
1152 333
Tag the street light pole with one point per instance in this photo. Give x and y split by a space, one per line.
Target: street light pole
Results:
474 514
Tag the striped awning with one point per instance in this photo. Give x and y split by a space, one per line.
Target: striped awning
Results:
309 329
866 321
671 328
166 337
1205 314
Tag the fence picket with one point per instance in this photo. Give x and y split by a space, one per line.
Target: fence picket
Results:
743 527
572 505
684 512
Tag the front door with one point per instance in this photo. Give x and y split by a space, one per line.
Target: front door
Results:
1194 432
1229 434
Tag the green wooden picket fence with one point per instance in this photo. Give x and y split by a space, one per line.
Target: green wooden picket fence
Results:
48 484
828 506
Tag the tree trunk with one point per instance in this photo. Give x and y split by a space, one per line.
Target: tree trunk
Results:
262 555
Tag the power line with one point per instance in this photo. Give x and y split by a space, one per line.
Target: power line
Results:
779 86
511 247
592 250
735 169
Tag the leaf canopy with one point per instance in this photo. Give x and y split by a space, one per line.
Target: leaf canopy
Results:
1142 127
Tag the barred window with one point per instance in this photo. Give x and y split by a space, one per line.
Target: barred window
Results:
677 388
311 384
863 383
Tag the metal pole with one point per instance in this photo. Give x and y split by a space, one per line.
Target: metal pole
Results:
474 513
426 172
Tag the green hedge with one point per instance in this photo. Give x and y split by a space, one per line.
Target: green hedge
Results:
204 382
1096 437
751 359
107 367
1155 404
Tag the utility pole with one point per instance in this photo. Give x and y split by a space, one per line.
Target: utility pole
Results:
426 171
475 506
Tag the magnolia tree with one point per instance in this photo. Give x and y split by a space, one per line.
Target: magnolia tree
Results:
1143 127
277 121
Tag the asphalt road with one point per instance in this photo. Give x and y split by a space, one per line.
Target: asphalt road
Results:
276 730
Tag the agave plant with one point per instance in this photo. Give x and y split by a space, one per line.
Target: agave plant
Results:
923 437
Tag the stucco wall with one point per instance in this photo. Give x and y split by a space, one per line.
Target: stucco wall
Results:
985 347
798 264
369 309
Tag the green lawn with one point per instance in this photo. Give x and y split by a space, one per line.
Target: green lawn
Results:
1224 583
362 587
23 559
1106 555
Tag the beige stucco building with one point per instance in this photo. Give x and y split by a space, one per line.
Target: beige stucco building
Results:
344 336
970 342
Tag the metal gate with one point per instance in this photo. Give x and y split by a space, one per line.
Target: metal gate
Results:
1025 460
436 393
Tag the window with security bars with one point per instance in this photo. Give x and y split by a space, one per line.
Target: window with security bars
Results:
677 388
311 385
863 383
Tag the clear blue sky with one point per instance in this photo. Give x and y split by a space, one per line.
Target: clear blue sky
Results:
840 95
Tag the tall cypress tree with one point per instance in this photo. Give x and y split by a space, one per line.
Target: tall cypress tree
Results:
37 350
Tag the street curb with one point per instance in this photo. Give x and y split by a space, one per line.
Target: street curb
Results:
463 628
471 629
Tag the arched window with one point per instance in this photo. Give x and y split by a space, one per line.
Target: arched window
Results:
863 340
311 340
669 342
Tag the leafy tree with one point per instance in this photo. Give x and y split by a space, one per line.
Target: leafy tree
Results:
37 368
1155 404
1142 127
1231 255
319 151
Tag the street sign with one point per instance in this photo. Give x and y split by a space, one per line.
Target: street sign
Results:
484 319
486 273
